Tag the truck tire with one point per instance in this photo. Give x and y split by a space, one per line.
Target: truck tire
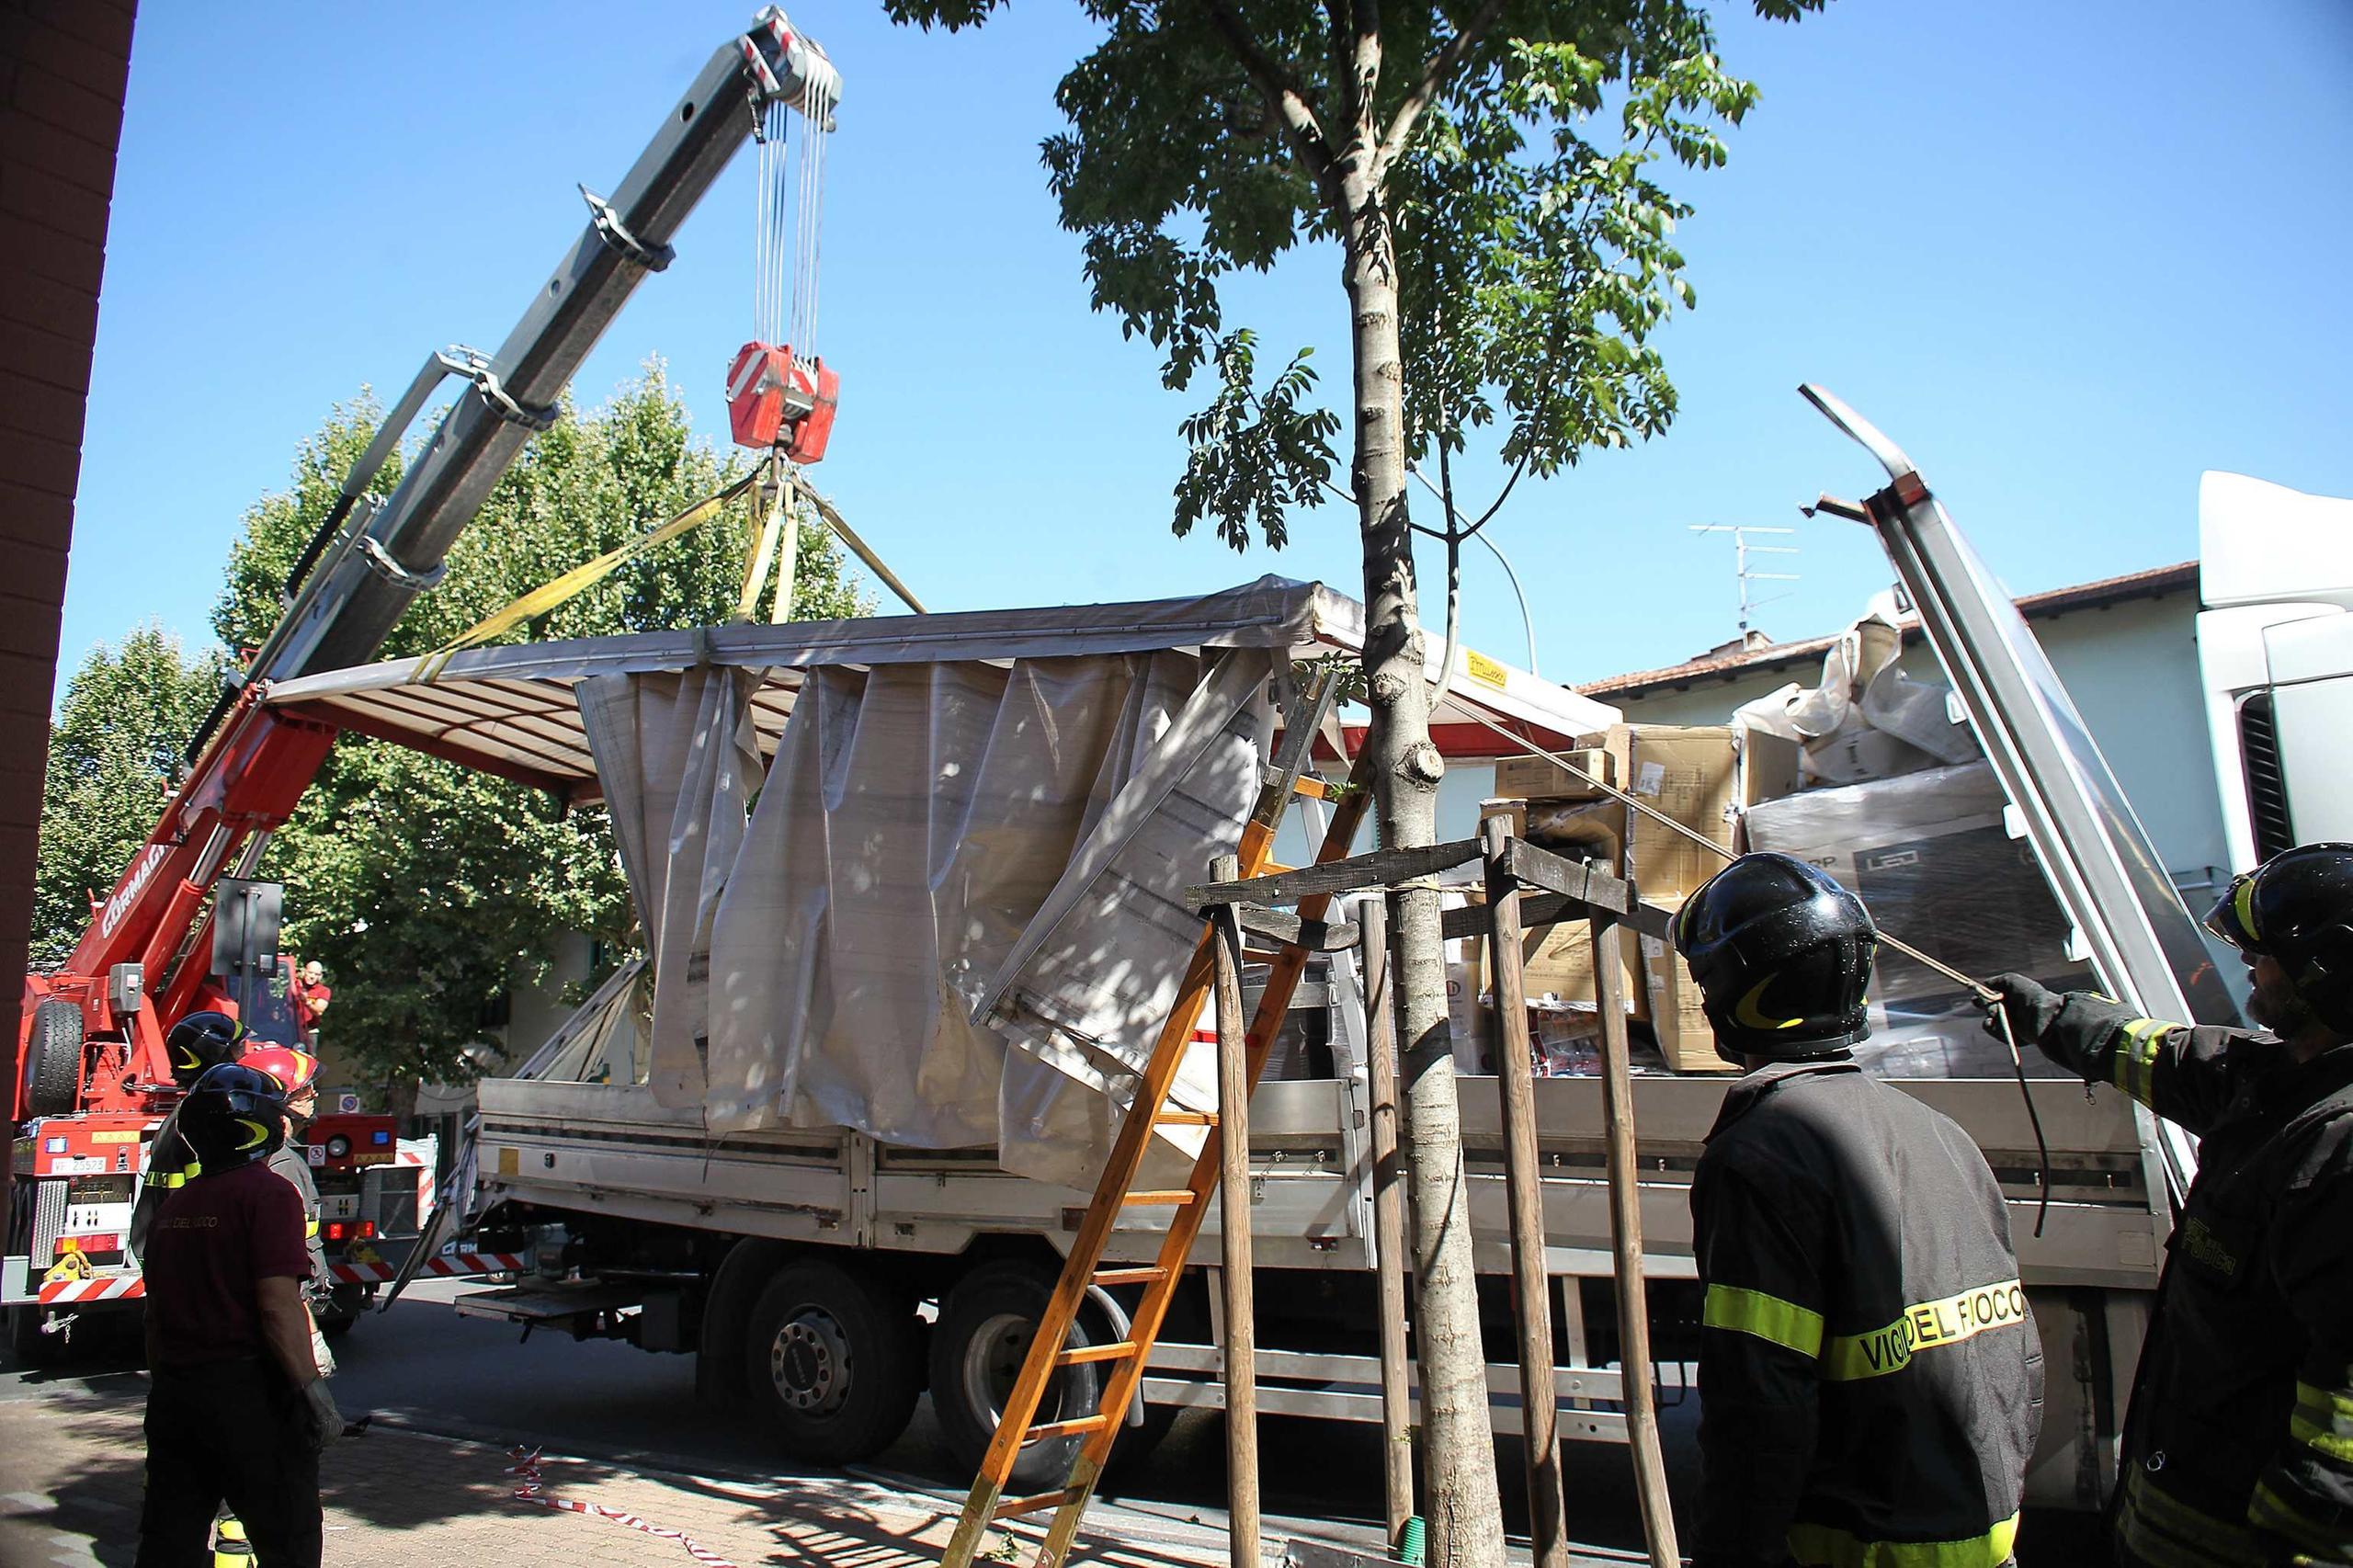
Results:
834 1361
985 1326
53 1059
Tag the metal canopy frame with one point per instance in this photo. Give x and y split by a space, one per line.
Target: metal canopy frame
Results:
511 711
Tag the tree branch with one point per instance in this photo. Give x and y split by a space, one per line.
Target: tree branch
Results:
1336 23
1441 66
1300 124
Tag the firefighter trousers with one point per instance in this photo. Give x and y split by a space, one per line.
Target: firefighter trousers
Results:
232 1432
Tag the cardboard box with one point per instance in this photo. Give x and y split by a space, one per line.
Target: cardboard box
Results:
1770 766
1585 830
1692 776
1538 778
1562 968
1676 1017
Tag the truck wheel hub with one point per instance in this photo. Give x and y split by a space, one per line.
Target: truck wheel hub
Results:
992 1358
809 1364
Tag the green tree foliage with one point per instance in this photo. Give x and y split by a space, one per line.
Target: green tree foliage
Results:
429 890
126 714
1514 164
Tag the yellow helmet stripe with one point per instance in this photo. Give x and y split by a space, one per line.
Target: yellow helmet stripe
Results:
1744 1012
2242 906
261 1134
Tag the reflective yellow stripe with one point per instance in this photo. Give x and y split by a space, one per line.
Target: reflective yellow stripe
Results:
310 1227
1819 1546
2313 1436
1767 1317
2165 1531
1925 1326
180 1177
2270 1511
2136 1057
2323 1406
2242 906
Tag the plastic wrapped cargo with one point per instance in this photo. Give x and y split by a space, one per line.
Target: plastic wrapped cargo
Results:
1929 854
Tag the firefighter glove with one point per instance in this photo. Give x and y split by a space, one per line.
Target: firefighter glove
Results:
2032 1008
319 1414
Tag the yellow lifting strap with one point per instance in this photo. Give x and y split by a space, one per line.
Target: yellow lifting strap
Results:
561 590
778 540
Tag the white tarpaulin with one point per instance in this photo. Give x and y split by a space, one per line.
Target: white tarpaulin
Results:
929 839
684 743
912 875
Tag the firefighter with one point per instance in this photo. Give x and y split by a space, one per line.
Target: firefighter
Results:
1870 1381
297 1072
2238 1444
237 1411
198 1042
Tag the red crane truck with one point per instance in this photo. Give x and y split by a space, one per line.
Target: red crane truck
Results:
185 926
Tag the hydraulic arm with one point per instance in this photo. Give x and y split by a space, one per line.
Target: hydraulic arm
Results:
136 968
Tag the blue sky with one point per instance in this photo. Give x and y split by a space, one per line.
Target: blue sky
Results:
2068 255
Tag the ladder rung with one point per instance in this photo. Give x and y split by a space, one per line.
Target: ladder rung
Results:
1315 788
1173 1197
1070 1429
1145 1274
1186 1118
1013 1505
1079 1355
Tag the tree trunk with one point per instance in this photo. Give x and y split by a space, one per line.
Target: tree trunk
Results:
1459 1462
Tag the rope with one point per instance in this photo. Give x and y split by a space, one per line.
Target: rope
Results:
550 595
529 1488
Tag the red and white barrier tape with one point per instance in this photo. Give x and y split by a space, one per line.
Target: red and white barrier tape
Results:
457 1263
102 1288
529 1488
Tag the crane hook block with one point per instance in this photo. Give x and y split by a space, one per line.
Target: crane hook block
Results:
775 400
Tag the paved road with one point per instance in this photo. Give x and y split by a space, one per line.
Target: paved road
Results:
422 1366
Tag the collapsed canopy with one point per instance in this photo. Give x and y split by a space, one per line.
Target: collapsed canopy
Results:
941 904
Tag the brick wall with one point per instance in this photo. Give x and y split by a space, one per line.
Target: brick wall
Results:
62 66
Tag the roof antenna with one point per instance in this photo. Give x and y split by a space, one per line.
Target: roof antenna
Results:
1742 550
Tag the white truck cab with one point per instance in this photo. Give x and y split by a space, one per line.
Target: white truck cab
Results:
2274 642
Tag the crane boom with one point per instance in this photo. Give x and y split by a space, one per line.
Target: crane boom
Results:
249 766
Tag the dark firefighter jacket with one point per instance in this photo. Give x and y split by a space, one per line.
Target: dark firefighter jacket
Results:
2239 1444
291 1164
171 1165
1870 1381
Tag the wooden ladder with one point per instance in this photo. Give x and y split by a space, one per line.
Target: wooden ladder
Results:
1116 1192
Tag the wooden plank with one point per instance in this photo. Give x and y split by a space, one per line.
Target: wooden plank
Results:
1538 909
1236 1286
1639 1397
1388 1224
1315 936
1382 867
1548 1526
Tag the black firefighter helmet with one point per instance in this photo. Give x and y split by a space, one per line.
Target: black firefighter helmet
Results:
234 1116
2297 907
201 1041
1781 954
